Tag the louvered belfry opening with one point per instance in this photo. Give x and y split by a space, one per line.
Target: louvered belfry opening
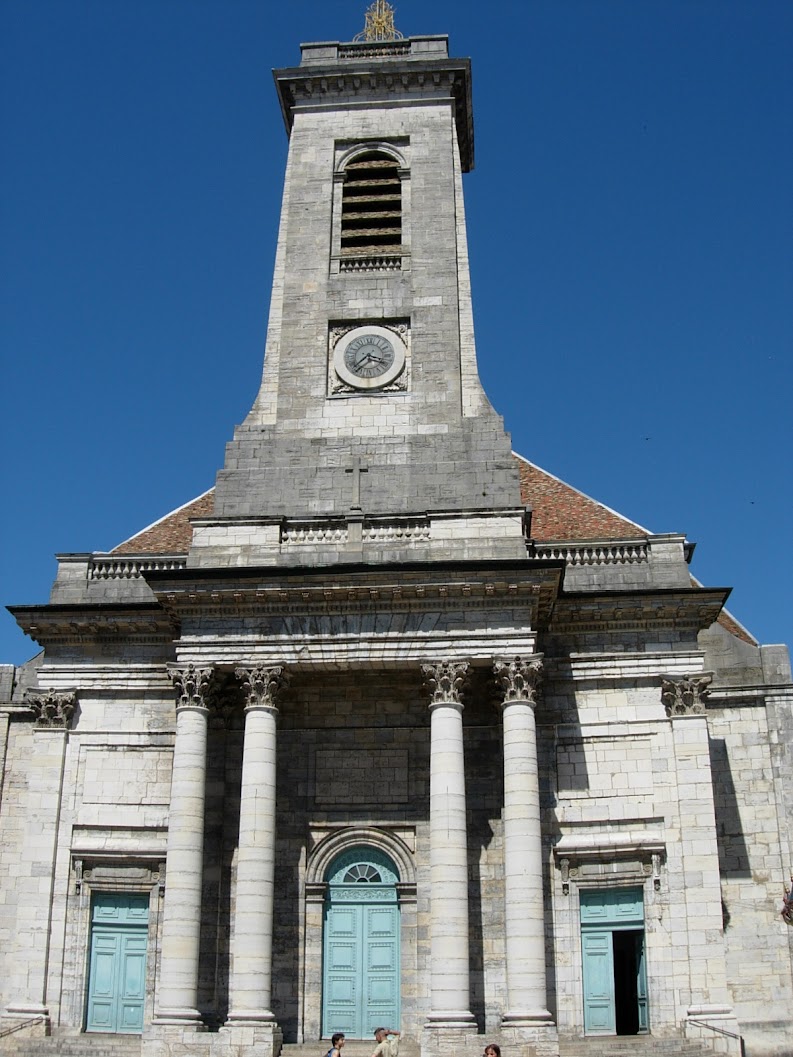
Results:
371 208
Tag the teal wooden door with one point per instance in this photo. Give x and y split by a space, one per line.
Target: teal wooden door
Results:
614 1002
117 968
361 945
599 1009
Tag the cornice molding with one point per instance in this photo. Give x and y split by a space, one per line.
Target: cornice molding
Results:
685 609
357 81
373 591
143 624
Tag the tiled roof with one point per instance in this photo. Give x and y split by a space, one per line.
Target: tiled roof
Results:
560 512
171 534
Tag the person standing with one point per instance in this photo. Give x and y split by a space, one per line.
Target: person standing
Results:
336 1044
386 1046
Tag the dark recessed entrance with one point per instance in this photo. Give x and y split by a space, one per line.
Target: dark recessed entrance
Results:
614 975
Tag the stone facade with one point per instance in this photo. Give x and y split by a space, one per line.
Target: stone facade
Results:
382 638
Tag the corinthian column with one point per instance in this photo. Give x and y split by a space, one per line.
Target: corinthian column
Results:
252 941
448 849
178 987
525 917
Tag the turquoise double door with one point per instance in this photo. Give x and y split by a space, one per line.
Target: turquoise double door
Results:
614 971
360 945
117 966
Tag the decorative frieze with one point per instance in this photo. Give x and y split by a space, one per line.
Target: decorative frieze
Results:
519 678
52 708
263 686
445 681
685 695
192 685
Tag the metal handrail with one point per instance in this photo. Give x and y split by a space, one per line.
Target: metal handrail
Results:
721 1031
26 1023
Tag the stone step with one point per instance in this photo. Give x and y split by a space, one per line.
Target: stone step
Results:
408 1047
631 1046
352 1048
90 1044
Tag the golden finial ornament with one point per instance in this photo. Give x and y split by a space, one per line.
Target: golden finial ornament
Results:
379 24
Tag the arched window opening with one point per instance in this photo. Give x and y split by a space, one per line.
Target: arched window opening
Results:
362 873
371 207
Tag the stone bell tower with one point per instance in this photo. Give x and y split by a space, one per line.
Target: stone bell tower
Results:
371 438
367 536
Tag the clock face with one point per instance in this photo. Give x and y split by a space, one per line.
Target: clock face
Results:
369 357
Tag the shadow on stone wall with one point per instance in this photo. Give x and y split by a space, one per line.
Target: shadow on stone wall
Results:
733 853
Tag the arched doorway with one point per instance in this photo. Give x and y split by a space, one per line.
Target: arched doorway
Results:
361 958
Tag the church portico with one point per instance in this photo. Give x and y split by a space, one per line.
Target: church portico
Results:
348 744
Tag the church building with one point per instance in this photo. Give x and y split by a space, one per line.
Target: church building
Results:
391 727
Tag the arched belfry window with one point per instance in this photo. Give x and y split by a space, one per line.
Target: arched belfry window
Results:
371 206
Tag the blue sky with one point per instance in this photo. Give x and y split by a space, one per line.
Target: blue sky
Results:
630 220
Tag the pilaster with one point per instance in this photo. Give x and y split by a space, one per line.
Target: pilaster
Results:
52 711
707 1008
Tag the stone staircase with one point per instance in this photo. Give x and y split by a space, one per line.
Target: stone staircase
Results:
631 1046
352 1048
91 1044
98 1045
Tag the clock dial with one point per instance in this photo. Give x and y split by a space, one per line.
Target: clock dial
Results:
369 356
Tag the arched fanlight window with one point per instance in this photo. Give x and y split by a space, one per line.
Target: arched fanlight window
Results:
371 205
362 865
362 873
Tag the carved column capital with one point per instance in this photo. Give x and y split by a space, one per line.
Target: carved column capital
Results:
685 695
263 686
519 678
193 685
52 708
445 682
